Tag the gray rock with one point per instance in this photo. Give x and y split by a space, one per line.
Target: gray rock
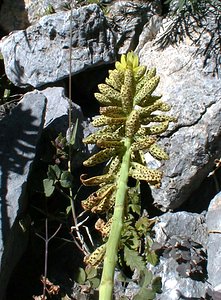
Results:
128 18
56 117
20 132
40 54
193 142
190 225
182 226
213 221
36 10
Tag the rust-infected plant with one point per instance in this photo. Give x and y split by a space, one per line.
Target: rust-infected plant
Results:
130 121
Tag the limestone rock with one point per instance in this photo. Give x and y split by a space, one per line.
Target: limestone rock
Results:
193 142
36 10
214 243
20 132
56 117
183 227
40 54
128 18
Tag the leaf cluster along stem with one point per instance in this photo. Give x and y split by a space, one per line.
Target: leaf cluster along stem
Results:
128 114
110 259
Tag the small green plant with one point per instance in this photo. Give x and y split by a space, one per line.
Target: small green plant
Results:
49 10
192 19
130 122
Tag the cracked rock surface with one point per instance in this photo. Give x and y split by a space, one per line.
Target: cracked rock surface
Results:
40 54
193 142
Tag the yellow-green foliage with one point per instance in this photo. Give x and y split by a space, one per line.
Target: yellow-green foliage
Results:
128 111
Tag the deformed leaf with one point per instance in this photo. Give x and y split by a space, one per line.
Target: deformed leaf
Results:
157 129
110 93
140 172
100 157
96 180
96 257
97 196
132 124
147 89
49 187
143 143
139 72
157 118
104 100
106 203
151 73
109 144
112 111
157 152
104 120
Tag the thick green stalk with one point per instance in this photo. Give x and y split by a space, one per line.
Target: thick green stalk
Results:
110 259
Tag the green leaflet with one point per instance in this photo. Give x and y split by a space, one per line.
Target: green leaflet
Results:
115 79
103 120
100 157
96 197
97 180
110 93
147 89
112 111
103 227
158 152
132 124
109 144
128 114
139 72
133 260
96 257
143 143
157 129
106 203
158 118
104 100
140 172
151 73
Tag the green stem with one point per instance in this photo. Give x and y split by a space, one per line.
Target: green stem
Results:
110 259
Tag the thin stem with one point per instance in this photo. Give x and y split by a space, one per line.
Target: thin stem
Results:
110 259
46 239
83 246
46 258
